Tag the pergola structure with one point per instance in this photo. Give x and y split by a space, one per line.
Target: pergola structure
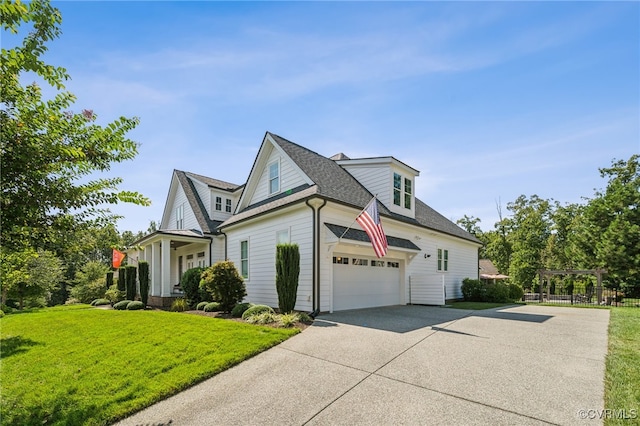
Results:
546 274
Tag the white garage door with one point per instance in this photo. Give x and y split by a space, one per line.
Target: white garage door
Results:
361 282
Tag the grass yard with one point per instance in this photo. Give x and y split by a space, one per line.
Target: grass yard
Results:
477 306
92 366
622 376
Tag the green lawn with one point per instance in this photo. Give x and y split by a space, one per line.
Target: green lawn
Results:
477 306
94 366
622 377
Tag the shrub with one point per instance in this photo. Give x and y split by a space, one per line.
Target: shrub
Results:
288 320
72 301
287 273
114 295
516 292
200 306
121 278
179 305
130 283
100 302
122 305
304 317
212 307
224 283
135 306
262 318
1 313
497 293
85 292
190 284
143 278
239 309
473 290
257 309
109 279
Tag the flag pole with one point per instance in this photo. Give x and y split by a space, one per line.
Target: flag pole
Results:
375 197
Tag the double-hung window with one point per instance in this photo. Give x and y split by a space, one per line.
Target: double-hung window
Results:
443 260
219 203
274 177
180 216
244 259
227 207
397 189
402 191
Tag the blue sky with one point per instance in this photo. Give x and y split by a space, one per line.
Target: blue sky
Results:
489 100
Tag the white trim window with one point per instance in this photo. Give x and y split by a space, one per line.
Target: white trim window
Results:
282 237
244 259
180 216
274 177
219 204
402 191
227 206
443 260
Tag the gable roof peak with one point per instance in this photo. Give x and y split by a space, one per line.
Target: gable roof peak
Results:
339 156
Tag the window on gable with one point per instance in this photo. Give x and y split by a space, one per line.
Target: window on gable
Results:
219 203
397 188
227 207
274 177
180 216
407 193
443 260
244 259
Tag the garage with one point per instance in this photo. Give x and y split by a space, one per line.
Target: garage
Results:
365 282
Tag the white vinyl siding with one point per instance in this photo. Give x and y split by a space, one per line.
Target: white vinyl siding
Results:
290 178
223 203
262 235
374 179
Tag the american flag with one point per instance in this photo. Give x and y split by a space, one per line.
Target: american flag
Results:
369 220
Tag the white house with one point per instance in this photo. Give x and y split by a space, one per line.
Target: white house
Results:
295 195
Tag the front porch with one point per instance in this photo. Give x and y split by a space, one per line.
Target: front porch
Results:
169 254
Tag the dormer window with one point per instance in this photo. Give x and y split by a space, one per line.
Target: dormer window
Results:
274 177
402 191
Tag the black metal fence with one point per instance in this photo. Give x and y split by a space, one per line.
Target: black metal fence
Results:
582 296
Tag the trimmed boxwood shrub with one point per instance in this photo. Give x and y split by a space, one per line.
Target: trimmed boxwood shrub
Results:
473 290
135 306
212 307
497 293
239 309
100 302
516 292
122 305
200 306
257 309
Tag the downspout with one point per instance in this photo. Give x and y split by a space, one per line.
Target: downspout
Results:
225 245
315 287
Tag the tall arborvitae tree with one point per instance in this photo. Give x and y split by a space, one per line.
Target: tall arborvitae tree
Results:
287 274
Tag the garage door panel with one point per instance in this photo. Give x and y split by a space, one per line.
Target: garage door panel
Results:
356 286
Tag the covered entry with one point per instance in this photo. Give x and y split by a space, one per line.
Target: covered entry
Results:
365 282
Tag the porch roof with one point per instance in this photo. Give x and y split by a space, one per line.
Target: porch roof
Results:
359 235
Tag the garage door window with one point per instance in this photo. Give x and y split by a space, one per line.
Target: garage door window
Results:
393 264
377 263
340 260
359 262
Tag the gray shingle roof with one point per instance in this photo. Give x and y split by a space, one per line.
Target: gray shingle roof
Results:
214 183
207 225
359 235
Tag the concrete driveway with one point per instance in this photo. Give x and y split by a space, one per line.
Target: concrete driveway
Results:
525 365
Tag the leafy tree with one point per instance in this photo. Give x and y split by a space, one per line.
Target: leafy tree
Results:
90 282
190 284
529 229
29 275
610 234
48 151
224 283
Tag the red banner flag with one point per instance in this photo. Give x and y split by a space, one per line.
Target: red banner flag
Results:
117 258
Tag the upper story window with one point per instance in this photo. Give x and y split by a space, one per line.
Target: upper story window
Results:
274 177
402 191
180 216
227 207
219 203
443 260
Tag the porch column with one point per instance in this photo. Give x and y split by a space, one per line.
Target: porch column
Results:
155 269
166 268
